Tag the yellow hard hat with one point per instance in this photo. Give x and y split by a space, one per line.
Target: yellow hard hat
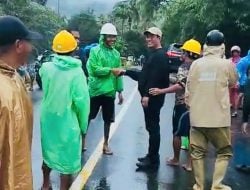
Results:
64 42
192 46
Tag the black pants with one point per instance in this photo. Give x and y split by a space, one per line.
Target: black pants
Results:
108 108
181 121
246 109
152 121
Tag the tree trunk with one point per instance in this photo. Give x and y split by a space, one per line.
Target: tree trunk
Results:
123 22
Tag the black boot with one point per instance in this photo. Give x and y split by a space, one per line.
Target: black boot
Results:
149 163
142 159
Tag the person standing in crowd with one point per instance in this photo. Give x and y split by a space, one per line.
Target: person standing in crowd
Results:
207 96
181 123
154 74
241 153
142 59
234 92
32 73
246 103
85 56
103 68
16 114
78 52
241 67
22 71
76 34
65 111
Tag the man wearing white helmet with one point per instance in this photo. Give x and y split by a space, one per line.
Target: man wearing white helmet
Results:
235 98
103 68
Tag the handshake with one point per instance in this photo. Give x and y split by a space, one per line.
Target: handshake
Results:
118 71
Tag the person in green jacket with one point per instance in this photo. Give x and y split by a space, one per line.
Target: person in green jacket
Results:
65 111
104 81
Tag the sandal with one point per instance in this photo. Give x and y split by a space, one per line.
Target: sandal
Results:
234 114
170 162
106 150
243 168
50 188
186 168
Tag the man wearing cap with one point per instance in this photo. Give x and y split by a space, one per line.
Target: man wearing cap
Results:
180 120
154 74
16 115
207 95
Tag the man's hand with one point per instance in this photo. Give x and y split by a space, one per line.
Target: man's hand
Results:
121 99
144 101
244 128
155 91
118 71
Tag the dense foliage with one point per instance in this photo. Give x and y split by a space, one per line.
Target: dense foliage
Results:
184 19
37 17
179 20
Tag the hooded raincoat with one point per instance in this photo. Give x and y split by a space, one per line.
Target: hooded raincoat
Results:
16 119
242 68
101 80
207 90
64 116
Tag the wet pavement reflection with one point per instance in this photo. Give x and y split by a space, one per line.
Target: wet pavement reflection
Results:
118 172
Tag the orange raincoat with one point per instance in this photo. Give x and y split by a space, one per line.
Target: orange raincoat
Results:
16 122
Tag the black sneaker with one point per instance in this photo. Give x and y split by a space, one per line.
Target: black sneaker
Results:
234 114
147 164
141 159
243 168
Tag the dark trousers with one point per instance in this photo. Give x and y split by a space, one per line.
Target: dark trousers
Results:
246 109
152 121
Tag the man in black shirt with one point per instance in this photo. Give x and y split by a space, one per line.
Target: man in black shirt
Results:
154 73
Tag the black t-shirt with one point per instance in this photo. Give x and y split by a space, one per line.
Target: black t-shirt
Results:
155 72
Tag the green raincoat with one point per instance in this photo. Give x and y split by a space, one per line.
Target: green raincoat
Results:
64 116
99 65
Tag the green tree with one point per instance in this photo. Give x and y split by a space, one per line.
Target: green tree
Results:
87 26
121 46
194 18
134 17
151 12
127 13
44 20
42 2
121 11
135 43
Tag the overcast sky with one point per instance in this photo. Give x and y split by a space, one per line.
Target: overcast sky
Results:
71 7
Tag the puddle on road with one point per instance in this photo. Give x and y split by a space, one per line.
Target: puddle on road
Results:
102 184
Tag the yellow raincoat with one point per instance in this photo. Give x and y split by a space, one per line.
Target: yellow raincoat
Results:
16 122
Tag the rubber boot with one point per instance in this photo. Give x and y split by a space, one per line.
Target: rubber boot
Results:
184 143
199 174
219 174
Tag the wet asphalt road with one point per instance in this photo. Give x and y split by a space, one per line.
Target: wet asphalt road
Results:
118 172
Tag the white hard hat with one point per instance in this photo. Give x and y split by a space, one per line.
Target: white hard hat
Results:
235 48
108 29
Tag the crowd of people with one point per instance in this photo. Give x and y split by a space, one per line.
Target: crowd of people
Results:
205 89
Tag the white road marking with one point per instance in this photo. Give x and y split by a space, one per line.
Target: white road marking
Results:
88 168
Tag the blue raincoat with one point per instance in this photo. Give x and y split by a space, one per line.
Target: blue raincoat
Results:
242 68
